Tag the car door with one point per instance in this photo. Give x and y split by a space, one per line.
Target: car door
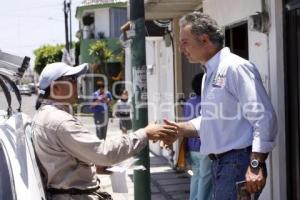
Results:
22 164
7 191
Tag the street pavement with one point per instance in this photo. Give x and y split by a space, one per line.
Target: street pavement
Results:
166 184
28 103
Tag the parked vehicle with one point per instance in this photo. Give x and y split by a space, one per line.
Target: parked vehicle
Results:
33 88
24 89
19 173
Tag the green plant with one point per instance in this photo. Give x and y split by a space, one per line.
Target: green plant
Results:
47 54
107 57
100 52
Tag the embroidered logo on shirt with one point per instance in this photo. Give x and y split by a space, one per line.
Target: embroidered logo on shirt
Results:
219 81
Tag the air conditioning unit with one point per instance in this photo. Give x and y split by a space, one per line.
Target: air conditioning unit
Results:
259 22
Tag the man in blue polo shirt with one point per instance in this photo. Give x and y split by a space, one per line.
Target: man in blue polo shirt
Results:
102 99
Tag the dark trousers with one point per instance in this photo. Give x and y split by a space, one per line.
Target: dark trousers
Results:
101 122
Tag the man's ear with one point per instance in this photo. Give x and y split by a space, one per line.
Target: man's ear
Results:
203 38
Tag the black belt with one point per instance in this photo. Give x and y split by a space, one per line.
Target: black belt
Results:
72 191
220 155
124 114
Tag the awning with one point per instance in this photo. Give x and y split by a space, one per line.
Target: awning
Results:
168 9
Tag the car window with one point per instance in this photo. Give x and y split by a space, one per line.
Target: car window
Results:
6 190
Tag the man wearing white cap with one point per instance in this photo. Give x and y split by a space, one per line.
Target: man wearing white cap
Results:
67 151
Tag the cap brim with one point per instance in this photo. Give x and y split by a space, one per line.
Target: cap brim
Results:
78 70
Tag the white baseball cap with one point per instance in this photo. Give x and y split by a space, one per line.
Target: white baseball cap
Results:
56 70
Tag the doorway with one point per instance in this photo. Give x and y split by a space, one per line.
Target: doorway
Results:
292 77
236 38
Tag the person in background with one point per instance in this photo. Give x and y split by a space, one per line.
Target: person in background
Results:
201 183
122 111
67 152
102 99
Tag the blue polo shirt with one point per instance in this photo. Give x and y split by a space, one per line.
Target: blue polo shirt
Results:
101 107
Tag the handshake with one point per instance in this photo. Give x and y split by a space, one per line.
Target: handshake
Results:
167 133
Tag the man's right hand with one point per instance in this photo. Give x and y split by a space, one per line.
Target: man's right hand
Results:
184 129
166 133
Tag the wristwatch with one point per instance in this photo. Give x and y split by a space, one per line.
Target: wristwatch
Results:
256 164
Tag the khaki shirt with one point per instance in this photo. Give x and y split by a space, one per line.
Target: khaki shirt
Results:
69 152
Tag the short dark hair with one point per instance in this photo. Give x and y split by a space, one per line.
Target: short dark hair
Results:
197 83
101 83
204 24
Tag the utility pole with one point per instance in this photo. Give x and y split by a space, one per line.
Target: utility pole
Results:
70 17
142 188
66 26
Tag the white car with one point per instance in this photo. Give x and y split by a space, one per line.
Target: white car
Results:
19 173
24 89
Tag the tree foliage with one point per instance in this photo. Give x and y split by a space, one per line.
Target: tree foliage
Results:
100 52
47 54
107 58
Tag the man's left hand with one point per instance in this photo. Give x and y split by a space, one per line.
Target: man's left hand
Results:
255 179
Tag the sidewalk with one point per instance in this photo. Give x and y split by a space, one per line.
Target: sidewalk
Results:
166 184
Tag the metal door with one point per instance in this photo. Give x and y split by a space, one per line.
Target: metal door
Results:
160 81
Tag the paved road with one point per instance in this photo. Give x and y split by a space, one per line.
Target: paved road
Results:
28 103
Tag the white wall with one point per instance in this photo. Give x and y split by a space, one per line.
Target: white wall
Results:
266 52
153 82
160 81
276 63
230 11
258 54
102 21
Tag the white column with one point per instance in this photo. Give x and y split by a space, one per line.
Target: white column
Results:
276 69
